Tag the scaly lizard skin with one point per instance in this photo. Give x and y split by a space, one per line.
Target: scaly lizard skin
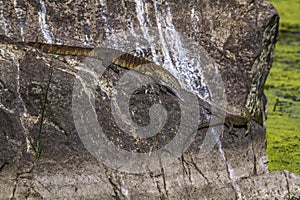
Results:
131 62
124 60
231 120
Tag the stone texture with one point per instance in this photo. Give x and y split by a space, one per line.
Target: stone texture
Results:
239 36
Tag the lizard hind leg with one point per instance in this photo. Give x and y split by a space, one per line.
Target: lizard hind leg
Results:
230 128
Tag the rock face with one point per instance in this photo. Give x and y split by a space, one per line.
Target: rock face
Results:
39 103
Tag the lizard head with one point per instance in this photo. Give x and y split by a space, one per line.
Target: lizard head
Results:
245 112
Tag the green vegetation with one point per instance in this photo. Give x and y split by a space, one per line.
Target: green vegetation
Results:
283 92
39 147
289 14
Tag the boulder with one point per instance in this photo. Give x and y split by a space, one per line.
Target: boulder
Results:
63 131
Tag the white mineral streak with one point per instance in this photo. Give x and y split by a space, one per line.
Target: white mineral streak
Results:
160 21
3 23
20 18
88 39
181 58
144 21
109 30
23 113
14 57
43 25
132 32
124 189
194 17
6 109
230 170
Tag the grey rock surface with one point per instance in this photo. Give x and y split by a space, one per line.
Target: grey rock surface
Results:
239 37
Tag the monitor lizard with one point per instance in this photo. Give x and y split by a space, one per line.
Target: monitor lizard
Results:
231 120
141 65
122 59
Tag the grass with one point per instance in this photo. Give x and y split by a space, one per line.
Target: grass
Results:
39 147
283 92
289 14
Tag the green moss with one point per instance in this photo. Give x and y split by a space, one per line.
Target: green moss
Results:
289 14
283 92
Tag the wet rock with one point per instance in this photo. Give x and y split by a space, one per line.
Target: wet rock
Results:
37 105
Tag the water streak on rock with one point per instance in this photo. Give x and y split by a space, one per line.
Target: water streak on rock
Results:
230 170
21 18
144 22
109 30
43 25
6 109
3 23
168 64
178 59
23 113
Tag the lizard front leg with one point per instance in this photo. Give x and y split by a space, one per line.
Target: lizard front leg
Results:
230 125
248 128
